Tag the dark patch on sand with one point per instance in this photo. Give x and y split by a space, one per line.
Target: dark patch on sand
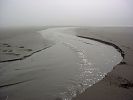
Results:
118 81
126 85
21 47
123 63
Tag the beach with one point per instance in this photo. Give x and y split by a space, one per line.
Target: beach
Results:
19 43
118 84
59 63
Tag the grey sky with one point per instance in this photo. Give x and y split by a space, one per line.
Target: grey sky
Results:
65 12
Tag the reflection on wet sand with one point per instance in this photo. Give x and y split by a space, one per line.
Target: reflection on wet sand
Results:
62 71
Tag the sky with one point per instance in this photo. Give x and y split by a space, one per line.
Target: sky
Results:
17 13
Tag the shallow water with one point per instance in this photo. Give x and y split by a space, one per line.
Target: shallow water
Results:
59 72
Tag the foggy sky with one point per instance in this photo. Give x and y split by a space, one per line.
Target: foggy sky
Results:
66 12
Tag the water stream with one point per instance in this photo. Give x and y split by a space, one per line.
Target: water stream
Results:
61 71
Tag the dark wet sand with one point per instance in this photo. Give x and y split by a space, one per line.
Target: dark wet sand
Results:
118 84
18 44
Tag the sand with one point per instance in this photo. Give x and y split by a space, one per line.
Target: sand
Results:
18 44
118 84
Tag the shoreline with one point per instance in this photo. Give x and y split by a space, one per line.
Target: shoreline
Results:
19 44
108 43
25 56
117 84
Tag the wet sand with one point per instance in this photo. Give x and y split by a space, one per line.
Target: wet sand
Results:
18 44
118 84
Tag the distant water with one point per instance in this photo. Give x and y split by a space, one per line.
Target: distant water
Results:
59 72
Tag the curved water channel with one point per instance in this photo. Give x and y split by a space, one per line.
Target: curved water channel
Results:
61 71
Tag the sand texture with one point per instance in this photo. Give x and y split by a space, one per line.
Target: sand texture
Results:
19 44
118 84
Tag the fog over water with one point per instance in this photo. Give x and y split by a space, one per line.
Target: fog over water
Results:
65 12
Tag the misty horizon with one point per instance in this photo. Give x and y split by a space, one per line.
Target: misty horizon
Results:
21 13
